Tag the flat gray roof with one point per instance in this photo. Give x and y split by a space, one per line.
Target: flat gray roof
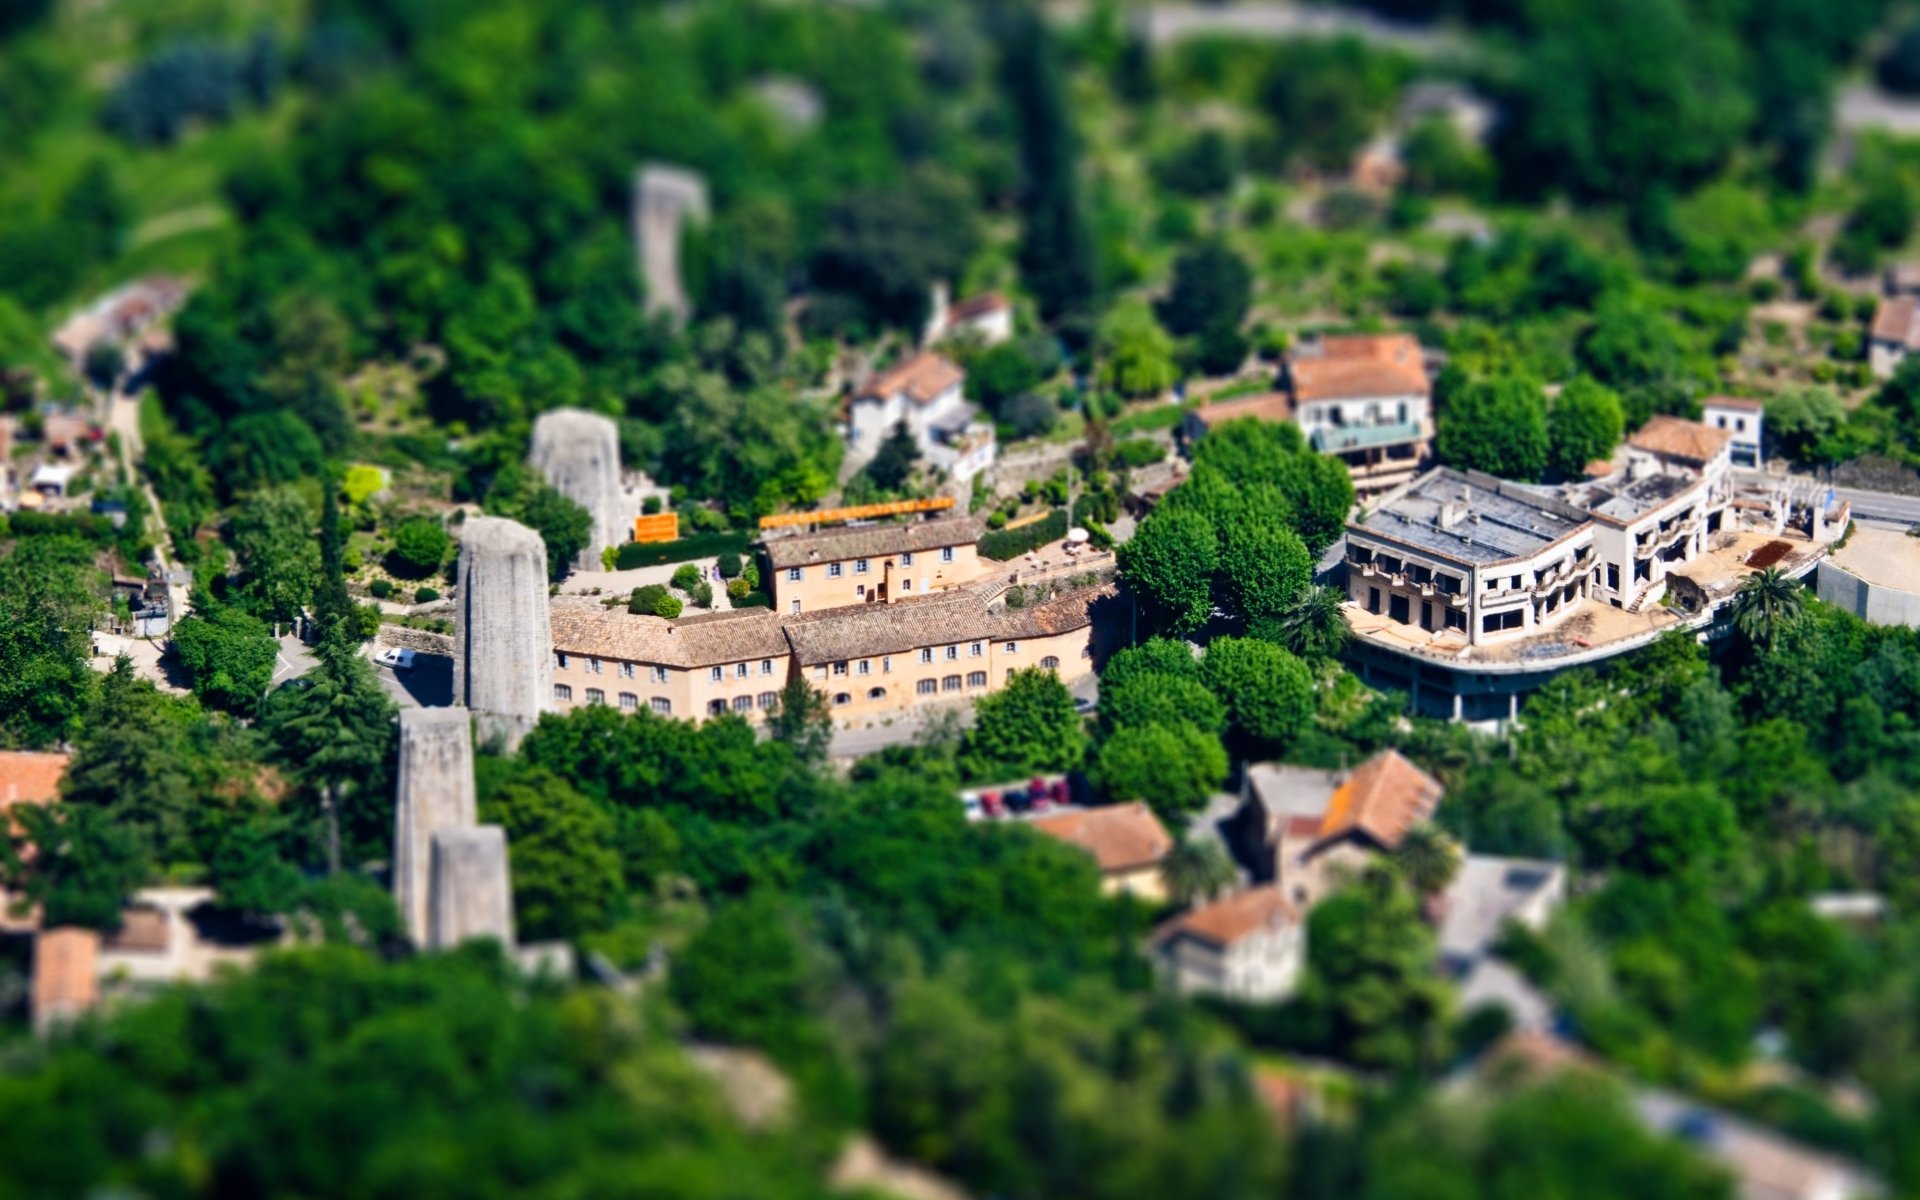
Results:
1624 501
1501 521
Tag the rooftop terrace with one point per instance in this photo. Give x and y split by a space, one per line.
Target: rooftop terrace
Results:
1472 518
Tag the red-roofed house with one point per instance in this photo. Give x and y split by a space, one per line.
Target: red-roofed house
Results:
1895 334
925 391
1308 831
1126 840
1366 400
987 318
1250 946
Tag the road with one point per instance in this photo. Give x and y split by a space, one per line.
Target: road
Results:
1881 506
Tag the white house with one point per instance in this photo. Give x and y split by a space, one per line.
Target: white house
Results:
1250 946
1367 401
927 392
1741 418
987 318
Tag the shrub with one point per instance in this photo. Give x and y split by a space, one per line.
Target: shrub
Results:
653 554
668 606
751 574
1016 597
754 600
380 588
425 595
996 520
702 593
420 544
1139 452
737 588
1004 544
650 506
686 576
730 565
646 599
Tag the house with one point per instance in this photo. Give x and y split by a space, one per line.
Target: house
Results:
31 777
1267 406
1251 946
869 564
52 480
1126 840
1367 401
1484 896
120 317
927 392
986 318
66 975
65 432
1742 419
1308 831
1894 335
1902 279
869 660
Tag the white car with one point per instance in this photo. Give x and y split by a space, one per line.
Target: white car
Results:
398 657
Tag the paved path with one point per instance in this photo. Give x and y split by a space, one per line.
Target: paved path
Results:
622 583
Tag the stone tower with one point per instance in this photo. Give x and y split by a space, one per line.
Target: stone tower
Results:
434 793
578 452
664 199
503 640
472 897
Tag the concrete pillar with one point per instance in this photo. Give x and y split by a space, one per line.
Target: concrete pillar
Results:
472 894
1456 706
503 636
435 792
578 453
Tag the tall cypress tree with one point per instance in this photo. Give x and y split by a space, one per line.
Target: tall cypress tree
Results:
1056 250
333 613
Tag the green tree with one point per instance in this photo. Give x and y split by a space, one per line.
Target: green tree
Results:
1155 656
1636 350
1882 220
421 545
1028 725
1057 258
1766 605
566 871
1370 971
1319 491
1264 566
49 599
802 719
249 874
518 493
744 979
888 245
229 656
1170 563
1136 355
73 862
333 730
1313 625
1800 421
1196 870
1268 692
1327 97
279 559
1427 859
1175 768
1495 425
1154 698
1584 425
893 463
1212 287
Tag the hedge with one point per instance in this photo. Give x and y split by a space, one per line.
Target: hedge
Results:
1004 544
27 523
1160 416
753 600
1139 452
700 545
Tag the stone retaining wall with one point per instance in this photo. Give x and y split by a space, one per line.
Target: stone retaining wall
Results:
417 640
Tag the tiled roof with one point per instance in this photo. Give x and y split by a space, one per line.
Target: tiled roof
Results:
66 979
974 307
922 379
1271 406
1898 320
1358 368
30 777
1121 837
584 626
871 541
1226 922
143 930
1741 403
1383 798
1672 437
937 619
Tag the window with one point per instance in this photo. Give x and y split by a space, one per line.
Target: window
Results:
716 708
976 679
793 574
859 566
560 659
794 608
842 698
626 670
906 585
976 650
1506 620
1400 608
906 558
593 666
1050 663
769 699
562 691
886 665
953 652
1613 576
766 666
926 654
743 704
950 684
878 693
596 696
833 570
657 674
629 701
739 670
662 705
840 668
1373 599
926 687
946 554
859 589
820 671
716 674
866 666
1012 647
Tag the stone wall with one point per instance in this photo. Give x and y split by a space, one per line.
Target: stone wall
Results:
420 641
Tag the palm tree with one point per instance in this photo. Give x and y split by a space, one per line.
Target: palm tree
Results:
1196 871
1428 859
1767 604
1313 625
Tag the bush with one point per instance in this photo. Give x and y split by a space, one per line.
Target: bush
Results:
754 600
1016 597
668 606
26 523
1139 452
730 565
653 554
686 577
425 595
650 506
380 588
1004 544
996 520
702 593
737 588
646 599
420 545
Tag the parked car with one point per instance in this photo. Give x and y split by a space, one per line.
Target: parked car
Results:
973 806
993 804
398 657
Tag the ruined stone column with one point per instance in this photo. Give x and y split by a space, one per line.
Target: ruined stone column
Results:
472 893
435 792
664 199
578 453
503 639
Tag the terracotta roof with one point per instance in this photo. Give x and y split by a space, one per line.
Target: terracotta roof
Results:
143 930
1599 468
1121 837
30 777
1271 406
1672 437
584 626
1383 798
921 379
1228 921
1898 320
66 977
871 541
936 619
974 307
1301 827
1359 367
1741 403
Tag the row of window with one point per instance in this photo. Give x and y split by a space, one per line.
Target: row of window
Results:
740 670
766 700
862 566
629 701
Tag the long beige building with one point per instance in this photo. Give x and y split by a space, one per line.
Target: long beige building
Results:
867 659
872 564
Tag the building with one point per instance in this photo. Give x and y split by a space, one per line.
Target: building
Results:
120 317
871 564
1486 895
927 392
1476 590
986 318
1267 406
1309 831
1894 335
1126 840
1367 401
1251 946
868 660
1743 420
31 777
66 975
